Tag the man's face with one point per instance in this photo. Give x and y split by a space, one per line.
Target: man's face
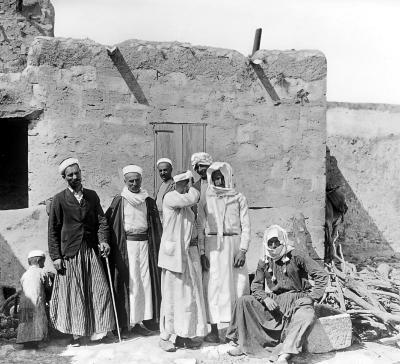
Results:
165 171
201 169
133 181
72 175
274 243
218 179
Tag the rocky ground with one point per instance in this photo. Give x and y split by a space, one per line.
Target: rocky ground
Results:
138 350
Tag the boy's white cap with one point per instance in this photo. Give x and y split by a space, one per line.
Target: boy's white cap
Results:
36 253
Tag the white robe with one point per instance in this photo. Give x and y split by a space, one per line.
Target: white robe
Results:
182 307
223 283
140 297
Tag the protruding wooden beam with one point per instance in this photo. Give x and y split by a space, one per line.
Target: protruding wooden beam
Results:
257 40
126 73
255 64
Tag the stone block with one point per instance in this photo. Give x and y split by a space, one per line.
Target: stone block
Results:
331 331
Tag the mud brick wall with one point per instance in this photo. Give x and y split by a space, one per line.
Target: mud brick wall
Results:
86 109
20 22
364 142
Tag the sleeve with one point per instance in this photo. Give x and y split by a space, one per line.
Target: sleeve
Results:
244 222
317 274
258 284
54 229
103 232
201 225
181 200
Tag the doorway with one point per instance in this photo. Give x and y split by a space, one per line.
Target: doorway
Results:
13 163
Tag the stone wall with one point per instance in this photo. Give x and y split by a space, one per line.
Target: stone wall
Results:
85 108
364 142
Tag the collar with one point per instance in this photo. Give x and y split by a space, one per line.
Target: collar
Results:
75 192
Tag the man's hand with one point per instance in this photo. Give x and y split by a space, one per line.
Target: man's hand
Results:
59 265
270 304
205 263
303 301
105 249
240 259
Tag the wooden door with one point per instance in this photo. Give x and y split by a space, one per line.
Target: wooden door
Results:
177 141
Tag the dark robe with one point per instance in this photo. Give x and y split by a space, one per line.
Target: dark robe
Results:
256 329
119 262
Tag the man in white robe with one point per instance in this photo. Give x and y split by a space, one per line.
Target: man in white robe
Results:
135 239
182 305
225 232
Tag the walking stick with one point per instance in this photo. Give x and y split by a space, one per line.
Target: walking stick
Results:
112 296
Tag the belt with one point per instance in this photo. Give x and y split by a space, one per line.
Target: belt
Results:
225 234
137 237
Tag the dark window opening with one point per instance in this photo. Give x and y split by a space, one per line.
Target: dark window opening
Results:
13 163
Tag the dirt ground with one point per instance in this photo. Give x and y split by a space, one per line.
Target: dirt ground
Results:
139 350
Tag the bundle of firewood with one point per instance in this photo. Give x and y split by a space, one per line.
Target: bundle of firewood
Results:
372 298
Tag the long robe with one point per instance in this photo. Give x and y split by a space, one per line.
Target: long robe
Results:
33 320
182 307
119 258
255 328
224 283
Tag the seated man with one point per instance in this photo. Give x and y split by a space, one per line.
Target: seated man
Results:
282 314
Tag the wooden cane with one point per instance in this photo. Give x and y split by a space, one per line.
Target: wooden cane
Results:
113 299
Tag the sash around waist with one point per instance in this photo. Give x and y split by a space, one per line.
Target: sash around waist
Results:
137 237
225 234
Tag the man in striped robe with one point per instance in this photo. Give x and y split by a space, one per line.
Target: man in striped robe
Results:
78 232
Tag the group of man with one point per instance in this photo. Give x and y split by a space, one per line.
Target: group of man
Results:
177 262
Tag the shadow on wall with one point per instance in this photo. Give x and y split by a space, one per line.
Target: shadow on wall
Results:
359 235
10 268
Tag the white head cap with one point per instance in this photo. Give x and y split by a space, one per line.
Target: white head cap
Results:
66 163
36 253
131 168
164 160
183 176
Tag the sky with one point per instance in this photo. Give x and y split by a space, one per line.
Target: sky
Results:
360 38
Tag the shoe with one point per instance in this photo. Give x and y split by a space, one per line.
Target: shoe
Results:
167 346
236 352
187 343
75 343
142 331
124 334
212 337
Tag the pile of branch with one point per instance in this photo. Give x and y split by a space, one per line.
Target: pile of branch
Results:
370 295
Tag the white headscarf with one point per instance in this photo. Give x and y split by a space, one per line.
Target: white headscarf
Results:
275 231
66 163
183 176
201 158
227 172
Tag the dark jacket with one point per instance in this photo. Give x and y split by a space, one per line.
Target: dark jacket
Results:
292 279
119 257
71 222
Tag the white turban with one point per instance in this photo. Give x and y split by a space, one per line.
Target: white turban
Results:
183 176
66 163
201 158
164 160
131 168
36 253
